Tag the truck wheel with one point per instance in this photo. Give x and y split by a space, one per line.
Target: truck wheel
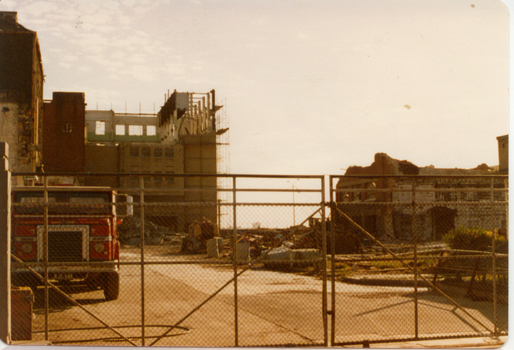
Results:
111 286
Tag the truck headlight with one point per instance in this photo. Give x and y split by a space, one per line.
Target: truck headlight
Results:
99 248
26 248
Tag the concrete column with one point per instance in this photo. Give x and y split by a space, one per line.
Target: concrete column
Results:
5 245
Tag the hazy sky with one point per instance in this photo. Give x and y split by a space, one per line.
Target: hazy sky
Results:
310 87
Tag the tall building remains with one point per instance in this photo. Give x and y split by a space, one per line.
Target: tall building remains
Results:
21 93
60 136
438 196
182 138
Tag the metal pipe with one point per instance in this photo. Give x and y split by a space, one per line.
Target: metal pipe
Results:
198 307
324 252
218 217
234 258
71 299
410 268
45 253
142 217
495 291
225 285
415 248
250 176
332 265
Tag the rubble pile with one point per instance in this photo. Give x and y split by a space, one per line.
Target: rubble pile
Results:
129 232
197 236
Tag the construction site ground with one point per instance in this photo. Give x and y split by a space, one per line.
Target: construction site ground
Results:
275 308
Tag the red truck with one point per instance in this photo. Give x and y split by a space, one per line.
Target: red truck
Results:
81 225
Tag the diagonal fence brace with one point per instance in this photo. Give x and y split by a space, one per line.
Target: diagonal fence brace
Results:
226 284
72 300
411 269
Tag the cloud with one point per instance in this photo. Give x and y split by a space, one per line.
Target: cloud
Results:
64 64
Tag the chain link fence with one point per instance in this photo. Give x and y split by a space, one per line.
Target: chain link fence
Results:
185 263
433 262
179 260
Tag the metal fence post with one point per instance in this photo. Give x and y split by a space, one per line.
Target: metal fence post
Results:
5 245
332 263
493 231
142 217
45 255
324 244
415 251
234 257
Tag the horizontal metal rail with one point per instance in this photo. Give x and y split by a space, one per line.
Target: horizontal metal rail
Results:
87 174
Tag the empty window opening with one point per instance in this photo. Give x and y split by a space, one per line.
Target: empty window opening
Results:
67 128
157 179
136 130
120 129
151 130
100 128
134 151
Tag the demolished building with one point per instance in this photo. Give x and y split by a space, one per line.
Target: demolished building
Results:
187 136
437 196
21 93
184 137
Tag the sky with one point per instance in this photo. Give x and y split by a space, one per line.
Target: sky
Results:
309 87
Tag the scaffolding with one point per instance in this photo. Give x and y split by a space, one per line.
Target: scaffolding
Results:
223 164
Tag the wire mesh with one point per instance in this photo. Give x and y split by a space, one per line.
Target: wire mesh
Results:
167 267
433 262
264 264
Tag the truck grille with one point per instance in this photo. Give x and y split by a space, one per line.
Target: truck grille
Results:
64 246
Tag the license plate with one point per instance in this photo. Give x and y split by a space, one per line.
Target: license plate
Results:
63 276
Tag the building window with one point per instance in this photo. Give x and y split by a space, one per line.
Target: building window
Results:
145 152
170 179
169 152
134 151
67 128
157 152
370 193
151 130
135 130
120 129
100 128
157 179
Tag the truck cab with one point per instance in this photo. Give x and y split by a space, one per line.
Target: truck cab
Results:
71 227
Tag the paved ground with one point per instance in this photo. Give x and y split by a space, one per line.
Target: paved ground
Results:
274 309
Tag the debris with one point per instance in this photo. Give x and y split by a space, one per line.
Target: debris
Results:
198 235
284 257
214 247
129 232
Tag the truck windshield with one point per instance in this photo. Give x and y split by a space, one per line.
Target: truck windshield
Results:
67 203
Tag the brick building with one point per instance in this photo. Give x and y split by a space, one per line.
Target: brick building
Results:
63 132
180 139
183 138
386 214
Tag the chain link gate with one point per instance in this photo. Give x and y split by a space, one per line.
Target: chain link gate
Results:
196 265
433 263
241 260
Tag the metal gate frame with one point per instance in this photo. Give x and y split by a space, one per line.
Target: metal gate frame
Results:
328 339
236 264
414 178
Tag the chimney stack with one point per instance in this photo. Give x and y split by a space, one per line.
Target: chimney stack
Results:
9 16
